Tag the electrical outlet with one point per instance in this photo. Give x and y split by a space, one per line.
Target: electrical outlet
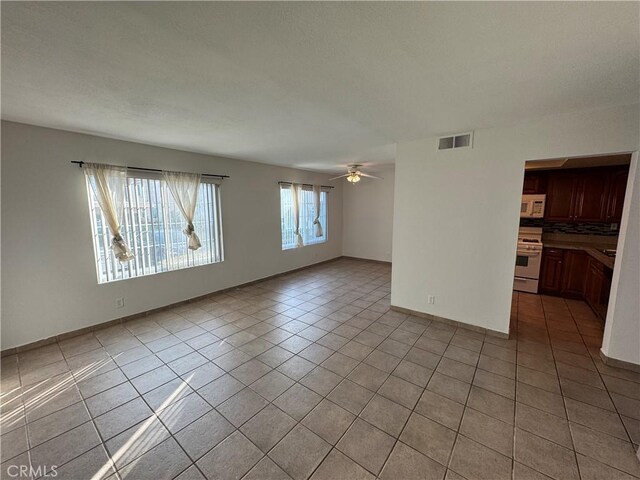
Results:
431 299
120 302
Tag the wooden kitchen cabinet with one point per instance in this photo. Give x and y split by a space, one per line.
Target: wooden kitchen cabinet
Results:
561 195
597 288
590 196
563 272
551 271
615 194
534 183
586 195
574 273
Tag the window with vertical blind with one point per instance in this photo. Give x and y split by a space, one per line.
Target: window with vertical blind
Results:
152 226
307 216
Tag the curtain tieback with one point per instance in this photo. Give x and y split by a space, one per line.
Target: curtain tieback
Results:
194 241
120 249
189 230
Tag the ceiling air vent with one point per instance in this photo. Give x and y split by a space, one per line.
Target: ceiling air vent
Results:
463 140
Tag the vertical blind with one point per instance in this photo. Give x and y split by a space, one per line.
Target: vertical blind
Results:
307 216
152 226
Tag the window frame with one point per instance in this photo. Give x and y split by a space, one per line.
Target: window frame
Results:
113 270
324 218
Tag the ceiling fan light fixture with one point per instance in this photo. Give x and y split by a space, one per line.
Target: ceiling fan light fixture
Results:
353 178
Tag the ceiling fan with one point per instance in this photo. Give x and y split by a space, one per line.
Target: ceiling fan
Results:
353 174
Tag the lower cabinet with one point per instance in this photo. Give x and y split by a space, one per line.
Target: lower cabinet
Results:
597 288
551 271
575 274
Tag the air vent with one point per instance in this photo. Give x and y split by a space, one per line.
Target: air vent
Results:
463 140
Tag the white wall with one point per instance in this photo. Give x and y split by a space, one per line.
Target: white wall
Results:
368 216
456 215
622 329
48 272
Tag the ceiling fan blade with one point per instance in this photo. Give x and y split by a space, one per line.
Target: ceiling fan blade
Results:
370 176
335 178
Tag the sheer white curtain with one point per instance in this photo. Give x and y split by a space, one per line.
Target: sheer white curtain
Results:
295 194
108 183
184 189
316 204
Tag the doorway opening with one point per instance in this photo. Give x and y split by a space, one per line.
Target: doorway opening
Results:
570 217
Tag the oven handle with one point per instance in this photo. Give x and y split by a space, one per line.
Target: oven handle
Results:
527 253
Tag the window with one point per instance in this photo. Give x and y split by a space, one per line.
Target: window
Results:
152 227
307 216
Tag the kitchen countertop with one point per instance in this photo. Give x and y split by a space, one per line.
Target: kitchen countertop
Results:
590 244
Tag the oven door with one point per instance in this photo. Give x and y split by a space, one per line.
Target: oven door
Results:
528 263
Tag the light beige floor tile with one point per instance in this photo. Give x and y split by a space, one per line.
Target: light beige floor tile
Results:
272 385
329 421
232 458
242 406
543 424
440 409
366 445
449 387
409 464
350 396
297 401
472 460
268 427
388 416
266 469
596 418
605 449
429 438
300 452
544 456
591 469
203 434
488 431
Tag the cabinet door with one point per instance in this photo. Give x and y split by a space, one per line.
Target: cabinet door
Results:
534 183
590 198
616 191
561 192
574 273
593 286
551 271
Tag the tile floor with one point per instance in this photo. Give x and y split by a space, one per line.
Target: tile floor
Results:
310 375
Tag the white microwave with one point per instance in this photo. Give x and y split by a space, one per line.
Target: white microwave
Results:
532 206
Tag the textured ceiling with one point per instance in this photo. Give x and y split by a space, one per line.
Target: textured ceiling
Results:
312 85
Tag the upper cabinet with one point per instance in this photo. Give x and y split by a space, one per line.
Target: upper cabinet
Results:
590 196
581 195
561 196
534 183
615 198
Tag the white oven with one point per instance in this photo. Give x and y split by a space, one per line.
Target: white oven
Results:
532 206
528 260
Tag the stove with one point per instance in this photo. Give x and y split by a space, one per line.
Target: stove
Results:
528 259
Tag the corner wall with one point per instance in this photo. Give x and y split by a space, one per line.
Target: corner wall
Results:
456 215
49 281
622 328
368 216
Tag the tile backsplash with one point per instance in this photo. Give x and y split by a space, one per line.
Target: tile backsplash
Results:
573 228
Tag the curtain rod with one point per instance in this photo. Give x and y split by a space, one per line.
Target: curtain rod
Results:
156 170
305 184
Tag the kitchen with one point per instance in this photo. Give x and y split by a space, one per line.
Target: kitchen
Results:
569 223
